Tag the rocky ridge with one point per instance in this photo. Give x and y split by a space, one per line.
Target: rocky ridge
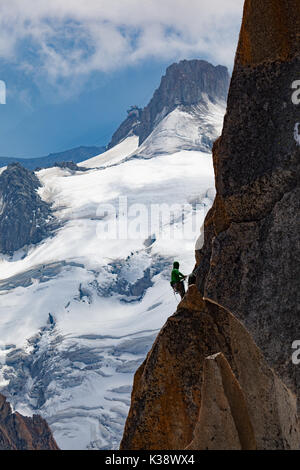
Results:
24 218
184 85
19 432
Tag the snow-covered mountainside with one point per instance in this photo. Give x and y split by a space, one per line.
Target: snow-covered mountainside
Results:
186 128
189 86
80 310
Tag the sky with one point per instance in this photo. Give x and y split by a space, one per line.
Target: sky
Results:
73 67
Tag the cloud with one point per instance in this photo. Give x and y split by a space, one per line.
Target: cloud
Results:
65 40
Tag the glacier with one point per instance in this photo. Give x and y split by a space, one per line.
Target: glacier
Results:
79 311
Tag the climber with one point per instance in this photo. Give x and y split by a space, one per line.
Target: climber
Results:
177 279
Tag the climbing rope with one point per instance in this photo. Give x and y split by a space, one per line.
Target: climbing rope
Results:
176 296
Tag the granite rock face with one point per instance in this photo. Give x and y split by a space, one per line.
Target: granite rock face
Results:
19 432
224 421
24 217
250 261
205 373
183 398
183 85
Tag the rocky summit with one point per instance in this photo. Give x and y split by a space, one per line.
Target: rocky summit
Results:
205 383
184 85
19 432
24 218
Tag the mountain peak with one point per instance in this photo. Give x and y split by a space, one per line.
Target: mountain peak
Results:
183 84
192 78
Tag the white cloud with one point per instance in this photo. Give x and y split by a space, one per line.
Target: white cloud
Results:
72 38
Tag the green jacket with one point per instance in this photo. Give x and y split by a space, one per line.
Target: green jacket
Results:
176 276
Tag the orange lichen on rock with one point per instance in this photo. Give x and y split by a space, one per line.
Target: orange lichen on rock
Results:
19 432
270 31
192 300
170 399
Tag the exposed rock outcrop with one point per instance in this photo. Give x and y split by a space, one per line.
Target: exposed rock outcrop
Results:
19 432
205 373
179 385
24 217
127 128
70 165
250 261
224 420
184 84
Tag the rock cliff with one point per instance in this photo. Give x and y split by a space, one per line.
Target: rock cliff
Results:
19 432
206 384
24 217
185 397
250 261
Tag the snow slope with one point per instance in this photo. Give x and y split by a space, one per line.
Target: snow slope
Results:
186 128
113 155
80 311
